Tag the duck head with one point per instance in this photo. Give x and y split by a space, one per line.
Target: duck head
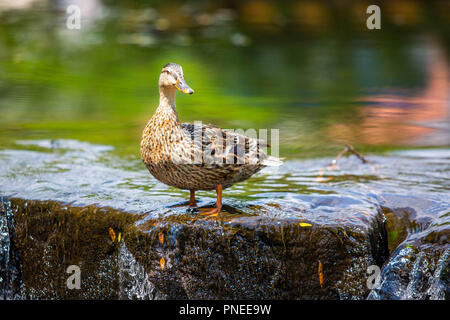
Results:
172 78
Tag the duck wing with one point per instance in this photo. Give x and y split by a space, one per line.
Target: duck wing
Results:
219 147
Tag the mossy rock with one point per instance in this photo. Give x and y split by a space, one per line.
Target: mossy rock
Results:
189 256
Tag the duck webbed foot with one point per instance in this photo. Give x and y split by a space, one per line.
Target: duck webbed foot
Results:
209 212
212 212
192 203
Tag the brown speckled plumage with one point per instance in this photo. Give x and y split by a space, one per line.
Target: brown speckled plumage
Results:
168 147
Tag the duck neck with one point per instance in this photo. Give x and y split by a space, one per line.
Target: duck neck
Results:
167 103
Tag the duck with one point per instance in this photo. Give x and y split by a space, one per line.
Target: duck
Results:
196 156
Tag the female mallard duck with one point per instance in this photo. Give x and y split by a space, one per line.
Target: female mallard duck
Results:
195 156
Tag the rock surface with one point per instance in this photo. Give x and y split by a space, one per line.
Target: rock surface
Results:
246 257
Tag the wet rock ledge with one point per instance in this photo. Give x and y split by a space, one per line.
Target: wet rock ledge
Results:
419 266
130 256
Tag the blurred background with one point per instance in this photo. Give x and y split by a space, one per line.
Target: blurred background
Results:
309 68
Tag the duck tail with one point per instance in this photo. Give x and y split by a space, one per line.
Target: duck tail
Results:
272 161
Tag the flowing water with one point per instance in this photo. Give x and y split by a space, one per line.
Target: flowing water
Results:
79 174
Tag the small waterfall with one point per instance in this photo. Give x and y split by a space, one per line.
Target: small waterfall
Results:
133 278
10 283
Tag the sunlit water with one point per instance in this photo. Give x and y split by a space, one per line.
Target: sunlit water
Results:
79 173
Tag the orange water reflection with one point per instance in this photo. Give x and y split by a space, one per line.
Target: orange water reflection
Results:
411 117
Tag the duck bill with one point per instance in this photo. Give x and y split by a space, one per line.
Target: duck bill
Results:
183 87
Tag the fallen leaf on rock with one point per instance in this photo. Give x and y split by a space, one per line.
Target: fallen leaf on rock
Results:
320 271
304 224
112 234
162 262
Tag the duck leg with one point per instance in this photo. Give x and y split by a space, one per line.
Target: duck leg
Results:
192 202
216 210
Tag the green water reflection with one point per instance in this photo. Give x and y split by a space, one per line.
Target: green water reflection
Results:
311 70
